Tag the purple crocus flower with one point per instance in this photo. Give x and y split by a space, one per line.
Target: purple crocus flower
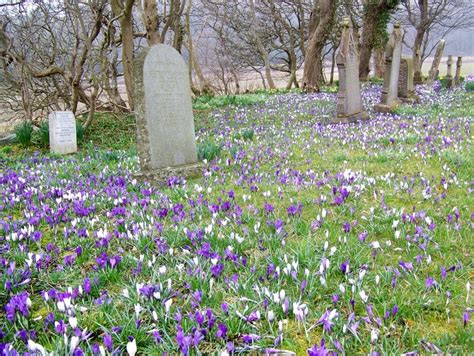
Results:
346 227
86 285
345 267
465 318
249 338
221 331
108 343
318 350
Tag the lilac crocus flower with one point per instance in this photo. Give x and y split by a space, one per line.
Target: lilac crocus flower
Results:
250 338
318 350
108 343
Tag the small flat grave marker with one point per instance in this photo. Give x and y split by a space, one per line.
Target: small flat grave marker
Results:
62 132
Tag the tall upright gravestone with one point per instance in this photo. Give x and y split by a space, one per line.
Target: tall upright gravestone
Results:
434 71
349 102
449 73
393 56
165 123
457 77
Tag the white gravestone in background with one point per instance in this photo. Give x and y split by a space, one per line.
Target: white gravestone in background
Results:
62 132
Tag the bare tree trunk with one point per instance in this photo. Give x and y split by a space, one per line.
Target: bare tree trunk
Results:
150 19
92 107
367 41
379 62
263 80
420 34
375 16
124 10
313 61
292 65
176 24
26 101
261 49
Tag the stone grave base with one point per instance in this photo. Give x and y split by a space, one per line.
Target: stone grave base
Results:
410 99
386 108
449 83
161 176
360 116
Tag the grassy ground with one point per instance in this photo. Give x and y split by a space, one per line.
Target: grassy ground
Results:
297 232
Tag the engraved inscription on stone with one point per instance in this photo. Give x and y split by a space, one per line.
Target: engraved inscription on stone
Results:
165 118
62 132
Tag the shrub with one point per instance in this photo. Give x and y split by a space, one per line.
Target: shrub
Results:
469 86
208 150
43 133
24 133
376 80
248 134
80 131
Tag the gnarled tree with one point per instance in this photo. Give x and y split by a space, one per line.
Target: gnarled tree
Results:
320 26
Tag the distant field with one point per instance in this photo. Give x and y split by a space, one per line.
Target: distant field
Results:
252 80
467 65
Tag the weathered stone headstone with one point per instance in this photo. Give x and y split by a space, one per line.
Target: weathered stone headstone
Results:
434 71
349 102
165 123
406 88
393 55
457 77
62 132
449 73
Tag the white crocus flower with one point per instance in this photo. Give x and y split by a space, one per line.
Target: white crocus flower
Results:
73 344
34 347
363 296
132 347
73 322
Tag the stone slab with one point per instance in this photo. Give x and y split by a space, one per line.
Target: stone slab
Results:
161 176
361 116
62 132
386 108
165 123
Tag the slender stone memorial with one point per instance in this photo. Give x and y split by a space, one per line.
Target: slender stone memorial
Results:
457 77
349 102
165 123
434 71
393 55
62 132
449 73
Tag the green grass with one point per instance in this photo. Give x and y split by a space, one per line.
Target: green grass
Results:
256 147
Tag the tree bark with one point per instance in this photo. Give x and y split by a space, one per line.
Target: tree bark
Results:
261 49
322 21
420 34
367 40
124 10
374 14
379 61
150 19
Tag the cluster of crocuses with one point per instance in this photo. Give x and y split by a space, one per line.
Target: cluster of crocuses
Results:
275 247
